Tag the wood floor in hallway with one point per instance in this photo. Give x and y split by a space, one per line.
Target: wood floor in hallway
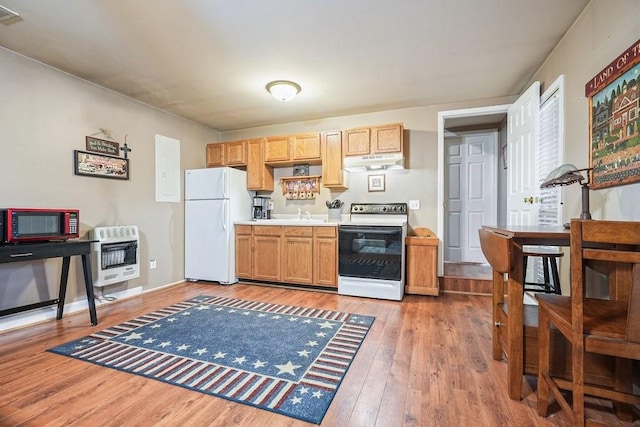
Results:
426 362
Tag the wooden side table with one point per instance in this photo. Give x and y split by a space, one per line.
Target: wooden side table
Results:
422 273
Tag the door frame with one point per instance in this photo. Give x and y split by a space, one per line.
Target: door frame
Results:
442 117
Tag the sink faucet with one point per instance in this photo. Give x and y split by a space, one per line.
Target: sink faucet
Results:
299 214
308 214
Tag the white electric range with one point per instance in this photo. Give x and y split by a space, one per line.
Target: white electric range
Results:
371 251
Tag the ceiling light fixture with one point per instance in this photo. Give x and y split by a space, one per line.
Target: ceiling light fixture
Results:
283 90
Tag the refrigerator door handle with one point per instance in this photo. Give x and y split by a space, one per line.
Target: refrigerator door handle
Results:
225 186
224 217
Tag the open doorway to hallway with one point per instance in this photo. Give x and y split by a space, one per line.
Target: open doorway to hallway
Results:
471 192
471 187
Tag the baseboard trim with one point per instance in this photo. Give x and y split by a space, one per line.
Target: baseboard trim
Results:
20 320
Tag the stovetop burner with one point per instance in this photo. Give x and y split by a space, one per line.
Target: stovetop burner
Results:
378 208
378 213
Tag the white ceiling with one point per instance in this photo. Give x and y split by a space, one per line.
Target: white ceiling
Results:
209 60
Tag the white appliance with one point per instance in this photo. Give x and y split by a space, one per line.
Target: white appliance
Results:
388 161
214 199
371 251
115 254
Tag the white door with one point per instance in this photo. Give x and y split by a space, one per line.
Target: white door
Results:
471 193
207 241
522 127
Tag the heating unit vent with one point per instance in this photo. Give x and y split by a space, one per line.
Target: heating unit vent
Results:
115 254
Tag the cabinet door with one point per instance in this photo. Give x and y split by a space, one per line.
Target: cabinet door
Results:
236 153
243 252
215 155
259 175
386 139
267 253
422 261
325 252
332 174
277 149
266 258
357 142
297 255
306 147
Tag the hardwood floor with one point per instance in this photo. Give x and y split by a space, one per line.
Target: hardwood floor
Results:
426 362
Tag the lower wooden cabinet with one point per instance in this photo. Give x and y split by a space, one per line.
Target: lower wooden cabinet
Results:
297 255
267 253
287 254
422 272
325 256
244 251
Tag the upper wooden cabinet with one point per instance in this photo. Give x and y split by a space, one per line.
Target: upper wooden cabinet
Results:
215 155
333 176
291 149
357 142
379 139
232 153
277 149
259 175
306 147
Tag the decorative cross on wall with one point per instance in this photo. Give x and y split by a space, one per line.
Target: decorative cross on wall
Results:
125 148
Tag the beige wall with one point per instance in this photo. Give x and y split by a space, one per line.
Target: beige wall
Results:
44 116
605 29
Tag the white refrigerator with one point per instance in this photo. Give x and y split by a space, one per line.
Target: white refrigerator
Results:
214 199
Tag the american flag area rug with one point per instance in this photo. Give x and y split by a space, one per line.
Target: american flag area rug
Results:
285 359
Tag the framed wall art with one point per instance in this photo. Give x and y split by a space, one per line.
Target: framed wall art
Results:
100 165
614 121
376 183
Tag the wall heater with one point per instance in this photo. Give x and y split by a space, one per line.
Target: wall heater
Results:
115 254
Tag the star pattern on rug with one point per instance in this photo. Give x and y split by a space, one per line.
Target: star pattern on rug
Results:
288 368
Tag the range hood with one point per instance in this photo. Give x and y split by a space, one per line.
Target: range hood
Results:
371 162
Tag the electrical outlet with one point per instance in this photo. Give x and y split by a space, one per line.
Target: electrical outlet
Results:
414 205
152 264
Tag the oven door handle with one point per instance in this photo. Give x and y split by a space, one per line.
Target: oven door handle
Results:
376 230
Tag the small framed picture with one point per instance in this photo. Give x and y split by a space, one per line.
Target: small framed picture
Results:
99 165
376 183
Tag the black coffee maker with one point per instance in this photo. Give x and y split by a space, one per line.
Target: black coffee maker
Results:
261 207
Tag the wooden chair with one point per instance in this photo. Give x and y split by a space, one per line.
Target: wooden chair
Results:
591 325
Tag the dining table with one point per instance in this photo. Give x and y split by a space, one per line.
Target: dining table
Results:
510 316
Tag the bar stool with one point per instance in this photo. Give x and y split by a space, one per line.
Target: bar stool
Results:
549 268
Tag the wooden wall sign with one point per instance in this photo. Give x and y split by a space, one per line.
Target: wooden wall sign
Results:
103 146
614 121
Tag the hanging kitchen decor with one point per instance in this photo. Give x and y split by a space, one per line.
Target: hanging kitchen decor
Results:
300 187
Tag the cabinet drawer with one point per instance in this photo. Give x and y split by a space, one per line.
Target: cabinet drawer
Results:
326 231
243 229
267 230
298 231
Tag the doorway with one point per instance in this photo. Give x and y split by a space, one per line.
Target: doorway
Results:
471 192
467 120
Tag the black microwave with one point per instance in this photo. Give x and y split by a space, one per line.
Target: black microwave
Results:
38 225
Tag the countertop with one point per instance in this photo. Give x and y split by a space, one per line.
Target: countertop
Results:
315 222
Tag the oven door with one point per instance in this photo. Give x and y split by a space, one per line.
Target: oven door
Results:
371 252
